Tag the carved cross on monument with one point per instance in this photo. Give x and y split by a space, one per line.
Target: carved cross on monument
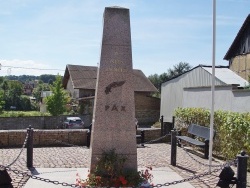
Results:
114 108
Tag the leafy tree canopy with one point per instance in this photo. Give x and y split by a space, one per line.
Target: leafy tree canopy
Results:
2 102
57 101
178 69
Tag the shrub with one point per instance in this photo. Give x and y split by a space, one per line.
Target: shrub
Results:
232 129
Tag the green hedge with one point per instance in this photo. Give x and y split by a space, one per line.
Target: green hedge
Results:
22 114
232 129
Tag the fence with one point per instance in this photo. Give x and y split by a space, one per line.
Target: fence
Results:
227 175
240 180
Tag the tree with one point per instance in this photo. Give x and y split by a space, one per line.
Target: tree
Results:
178 69
57 101
37 91
1 101
13 93
47 77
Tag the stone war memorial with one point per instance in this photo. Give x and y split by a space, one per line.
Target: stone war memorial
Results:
114 108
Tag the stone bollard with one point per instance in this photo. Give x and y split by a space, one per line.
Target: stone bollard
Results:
173 148
242 170
30 147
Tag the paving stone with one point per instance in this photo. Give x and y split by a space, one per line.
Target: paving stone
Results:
154 155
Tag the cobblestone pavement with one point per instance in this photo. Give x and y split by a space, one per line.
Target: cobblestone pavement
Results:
154 155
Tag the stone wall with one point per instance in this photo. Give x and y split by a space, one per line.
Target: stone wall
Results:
147 109
37 122
152 134
59 137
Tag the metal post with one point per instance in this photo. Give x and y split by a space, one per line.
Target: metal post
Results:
161 125
30 147
173 148
242 170
206 152
173 122
142 138
88 138
5 179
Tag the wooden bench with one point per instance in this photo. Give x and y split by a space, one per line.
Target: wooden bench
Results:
195 132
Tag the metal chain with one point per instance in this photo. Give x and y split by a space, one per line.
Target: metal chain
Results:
24 144
77 186
68 144
229 163
155 140
187 179
39 178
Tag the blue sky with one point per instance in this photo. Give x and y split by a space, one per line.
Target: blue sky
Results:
43 36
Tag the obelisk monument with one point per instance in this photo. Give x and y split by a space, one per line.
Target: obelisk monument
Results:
114 108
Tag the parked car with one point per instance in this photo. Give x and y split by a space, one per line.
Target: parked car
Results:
73 123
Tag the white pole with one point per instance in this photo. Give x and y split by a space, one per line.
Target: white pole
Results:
212 88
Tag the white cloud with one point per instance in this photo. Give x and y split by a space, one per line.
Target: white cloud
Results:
27 67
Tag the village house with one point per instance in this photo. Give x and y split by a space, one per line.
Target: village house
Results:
80 82
238 54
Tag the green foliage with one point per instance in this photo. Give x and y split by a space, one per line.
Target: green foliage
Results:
178 69
22 114
26 104
23 78
2 102
14 90
232 129
37 91
110 172
48 78
56 103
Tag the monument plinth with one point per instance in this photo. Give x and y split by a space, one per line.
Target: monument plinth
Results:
114 108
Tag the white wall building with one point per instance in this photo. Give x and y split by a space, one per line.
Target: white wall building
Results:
193 89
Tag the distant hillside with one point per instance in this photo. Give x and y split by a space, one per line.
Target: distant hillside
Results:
46 78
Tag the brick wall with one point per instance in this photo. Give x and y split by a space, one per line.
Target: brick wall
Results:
60 137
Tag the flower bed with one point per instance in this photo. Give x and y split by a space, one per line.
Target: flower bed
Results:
110 172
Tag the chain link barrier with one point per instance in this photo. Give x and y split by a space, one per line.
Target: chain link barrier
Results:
21 150
68 144
155 140
228 163
187 179
19 172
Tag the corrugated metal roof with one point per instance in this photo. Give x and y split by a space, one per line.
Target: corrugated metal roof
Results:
84 77
227 76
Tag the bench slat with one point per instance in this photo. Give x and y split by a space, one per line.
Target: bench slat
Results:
200 131
191 140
